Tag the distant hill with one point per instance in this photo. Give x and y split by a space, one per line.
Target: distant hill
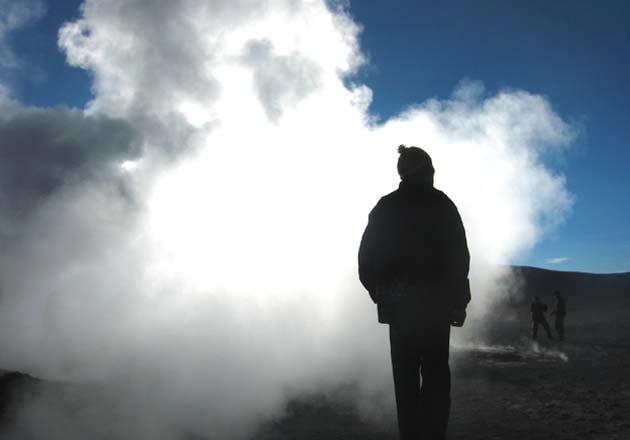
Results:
15 387
575 284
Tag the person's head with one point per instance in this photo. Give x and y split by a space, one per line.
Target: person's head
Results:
536 299
557 293
415 164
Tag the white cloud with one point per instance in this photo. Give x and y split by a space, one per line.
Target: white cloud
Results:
557 260
233 277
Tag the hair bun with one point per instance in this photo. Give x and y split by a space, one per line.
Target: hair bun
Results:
401 148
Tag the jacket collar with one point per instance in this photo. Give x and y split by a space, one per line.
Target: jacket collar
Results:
414 185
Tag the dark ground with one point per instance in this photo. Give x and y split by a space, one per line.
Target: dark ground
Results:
510 390
501 394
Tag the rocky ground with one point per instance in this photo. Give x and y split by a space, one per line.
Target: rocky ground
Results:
500 392
514 389
514 394
510 392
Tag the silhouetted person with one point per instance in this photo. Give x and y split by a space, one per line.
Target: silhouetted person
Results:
414 262
560 312
538 318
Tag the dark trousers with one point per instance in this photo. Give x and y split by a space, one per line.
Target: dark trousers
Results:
542 322
422 409
559 324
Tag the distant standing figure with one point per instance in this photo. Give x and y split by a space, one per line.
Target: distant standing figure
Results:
559 313
538 318
414 262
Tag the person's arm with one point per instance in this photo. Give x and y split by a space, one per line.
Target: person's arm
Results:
456 263
458 258
368 273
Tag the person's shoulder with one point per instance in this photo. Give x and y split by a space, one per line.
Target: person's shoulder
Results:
388 199
441 199
385 202
392 196
441 196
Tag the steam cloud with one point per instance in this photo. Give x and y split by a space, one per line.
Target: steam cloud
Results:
189 239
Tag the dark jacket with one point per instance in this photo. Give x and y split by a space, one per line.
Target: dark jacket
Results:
538 311
561 307
415 243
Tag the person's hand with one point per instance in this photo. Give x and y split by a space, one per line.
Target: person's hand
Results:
458 316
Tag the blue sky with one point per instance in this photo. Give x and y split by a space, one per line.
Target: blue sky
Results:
576 53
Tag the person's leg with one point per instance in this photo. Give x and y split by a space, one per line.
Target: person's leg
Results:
435 394
560 326
534 330
547 329
406 369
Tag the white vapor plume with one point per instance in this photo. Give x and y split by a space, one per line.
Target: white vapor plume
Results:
223 278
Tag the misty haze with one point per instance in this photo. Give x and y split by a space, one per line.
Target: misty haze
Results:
208 221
